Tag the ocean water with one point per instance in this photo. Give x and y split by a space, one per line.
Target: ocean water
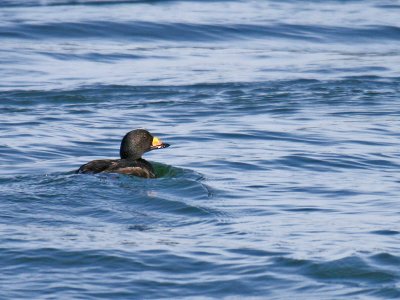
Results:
282 179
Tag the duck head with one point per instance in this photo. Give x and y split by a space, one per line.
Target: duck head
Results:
137 142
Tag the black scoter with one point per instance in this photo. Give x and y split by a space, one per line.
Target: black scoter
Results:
134 144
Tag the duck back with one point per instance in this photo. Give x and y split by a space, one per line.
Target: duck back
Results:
138 167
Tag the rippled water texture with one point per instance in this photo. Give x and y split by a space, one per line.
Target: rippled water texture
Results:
282 180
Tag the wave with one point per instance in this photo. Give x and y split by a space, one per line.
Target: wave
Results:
28 3
152 31
242 272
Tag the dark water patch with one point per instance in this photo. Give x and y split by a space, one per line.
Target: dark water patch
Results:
33 3
27 98
256 252
106 3
350 70
309 210
320 165
333 162
388 6
139 227
98 57
386 292
352 269
328 192
238 165
386 259
372 143
385 232
291 137
282 93
151 31
351 113
40 259
189 266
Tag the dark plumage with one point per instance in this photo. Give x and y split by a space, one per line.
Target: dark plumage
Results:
134 144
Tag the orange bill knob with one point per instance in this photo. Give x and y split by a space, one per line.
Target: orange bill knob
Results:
158 144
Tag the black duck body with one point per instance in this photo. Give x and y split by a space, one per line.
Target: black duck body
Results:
134 144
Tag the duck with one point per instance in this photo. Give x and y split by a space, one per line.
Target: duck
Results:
133 145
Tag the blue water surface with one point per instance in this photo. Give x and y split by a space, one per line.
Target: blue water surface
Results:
282 181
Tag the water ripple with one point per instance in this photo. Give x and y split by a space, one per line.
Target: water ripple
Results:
151 31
